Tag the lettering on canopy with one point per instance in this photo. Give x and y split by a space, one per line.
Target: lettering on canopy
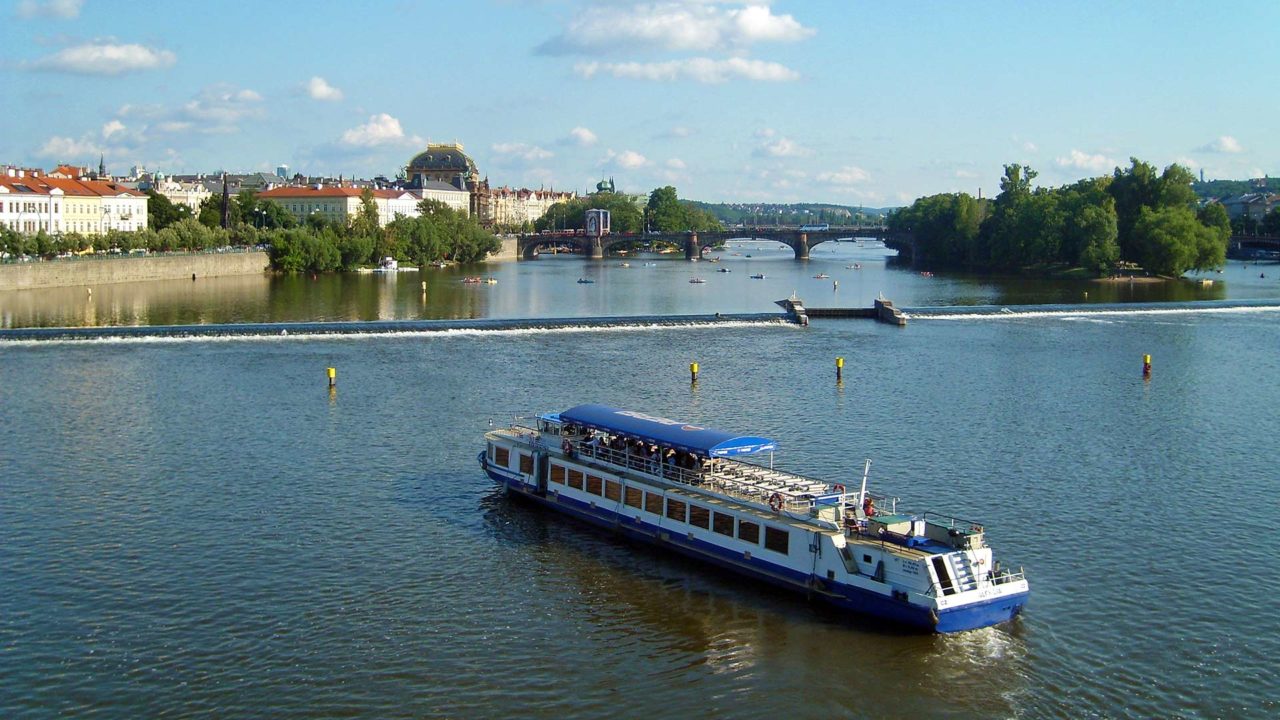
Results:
659 420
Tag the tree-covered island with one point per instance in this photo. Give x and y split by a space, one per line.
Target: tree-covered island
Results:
1134 216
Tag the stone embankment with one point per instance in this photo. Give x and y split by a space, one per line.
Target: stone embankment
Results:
101 271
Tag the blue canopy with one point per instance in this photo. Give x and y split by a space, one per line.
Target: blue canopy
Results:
668 433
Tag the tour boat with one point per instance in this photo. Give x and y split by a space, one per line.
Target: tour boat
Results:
689 489
821 276
471 280
758 276
696 280
585 281
724 269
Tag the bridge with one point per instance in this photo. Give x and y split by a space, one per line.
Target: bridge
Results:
801 241
1253 242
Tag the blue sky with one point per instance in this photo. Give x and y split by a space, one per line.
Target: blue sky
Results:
859 103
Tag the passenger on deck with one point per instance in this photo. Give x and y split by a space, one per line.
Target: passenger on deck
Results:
869 507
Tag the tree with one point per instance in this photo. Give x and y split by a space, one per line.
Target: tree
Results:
210 214
1172 241
1270 221
1133 189
664 211
162 212
1093 229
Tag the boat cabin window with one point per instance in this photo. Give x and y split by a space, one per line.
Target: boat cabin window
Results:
675 509
595 485
526 464
501 457
723 524
612 490
749 531
776 539
635 498
575 478
653 503
557 473
699 516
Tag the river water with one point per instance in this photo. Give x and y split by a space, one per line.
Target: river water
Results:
197 527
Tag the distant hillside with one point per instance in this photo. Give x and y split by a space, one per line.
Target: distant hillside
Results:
791 214
1219 189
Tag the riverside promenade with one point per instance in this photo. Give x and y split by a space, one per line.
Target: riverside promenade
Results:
102 271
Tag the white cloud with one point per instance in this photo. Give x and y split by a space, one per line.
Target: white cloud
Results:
64 9
782 147
701 69
676 164
1084 161
966 174
582 136
65 148
111 128
105 59
1224 144
320 89
681 25
218 108
382 129
1187 162
679 132
627 159
847 175
529 153
1029 146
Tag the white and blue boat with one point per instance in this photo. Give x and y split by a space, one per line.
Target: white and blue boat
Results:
694 490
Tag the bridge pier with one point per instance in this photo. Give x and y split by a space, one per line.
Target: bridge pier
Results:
595 250
802 246
691 249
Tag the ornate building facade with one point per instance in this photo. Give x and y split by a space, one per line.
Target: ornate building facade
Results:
514 208
447 163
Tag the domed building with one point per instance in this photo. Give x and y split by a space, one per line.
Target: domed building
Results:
447 163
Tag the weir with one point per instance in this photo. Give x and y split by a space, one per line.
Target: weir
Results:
378 327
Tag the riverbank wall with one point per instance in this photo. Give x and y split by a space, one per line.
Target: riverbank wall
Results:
103 271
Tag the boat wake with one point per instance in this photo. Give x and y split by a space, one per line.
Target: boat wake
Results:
340 331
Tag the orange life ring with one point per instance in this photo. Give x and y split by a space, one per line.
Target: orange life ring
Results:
775 502
839 488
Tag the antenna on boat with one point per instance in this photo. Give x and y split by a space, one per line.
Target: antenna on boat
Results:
862 495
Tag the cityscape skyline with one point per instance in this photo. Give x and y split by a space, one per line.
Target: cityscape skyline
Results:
728 101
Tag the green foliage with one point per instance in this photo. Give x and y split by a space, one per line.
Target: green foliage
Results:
624 215
210 214
1270 222
161 212
666 212
1134 215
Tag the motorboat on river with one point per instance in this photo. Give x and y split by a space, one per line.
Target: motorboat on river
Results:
697 491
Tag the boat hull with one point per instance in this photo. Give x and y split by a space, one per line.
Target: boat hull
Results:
840 595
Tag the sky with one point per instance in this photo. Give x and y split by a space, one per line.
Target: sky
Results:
840 101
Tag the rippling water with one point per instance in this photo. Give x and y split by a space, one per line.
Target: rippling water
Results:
196 527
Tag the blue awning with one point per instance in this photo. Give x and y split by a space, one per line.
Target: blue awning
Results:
668 433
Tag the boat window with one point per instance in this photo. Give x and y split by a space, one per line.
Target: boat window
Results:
748 531
653 503
723 524
613 490
557 473
526 464
575 478
594 485
635 498
501 457
675 509
775 539
699 516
